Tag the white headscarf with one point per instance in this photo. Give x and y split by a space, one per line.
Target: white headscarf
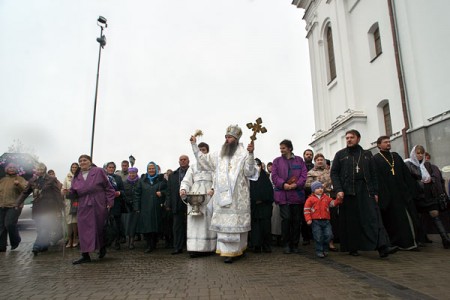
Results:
413 159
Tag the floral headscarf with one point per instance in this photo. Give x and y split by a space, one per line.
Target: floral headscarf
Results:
421 165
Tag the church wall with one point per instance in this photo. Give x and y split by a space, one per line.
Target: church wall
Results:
424 32
363 86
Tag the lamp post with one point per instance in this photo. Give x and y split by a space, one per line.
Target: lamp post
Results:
132 160
101 21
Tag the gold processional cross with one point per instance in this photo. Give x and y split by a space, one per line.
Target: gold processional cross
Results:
256 127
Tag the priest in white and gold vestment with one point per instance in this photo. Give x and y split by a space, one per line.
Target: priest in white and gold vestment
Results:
232 167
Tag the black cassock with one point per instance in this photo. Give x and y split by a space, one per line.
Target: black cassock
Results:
360 224
397 209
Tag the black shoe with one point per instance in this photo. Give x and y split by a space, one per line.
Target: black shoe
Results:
257 250
123 240
137 238
306 243
82 260
194 255
228 260
393 249
385 251
295 250
102 252
177 252
148 250
333 249
354 253
35 252
287 250
3 250
14 247
131 246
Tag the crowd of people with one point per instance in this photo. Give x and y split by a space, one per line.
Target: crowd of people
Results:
227 201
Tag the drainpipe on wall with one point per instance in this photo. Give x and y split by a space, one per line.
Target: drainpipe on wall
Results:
401 82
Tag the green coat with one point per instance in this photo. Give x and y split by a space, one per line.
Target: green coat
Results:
149 204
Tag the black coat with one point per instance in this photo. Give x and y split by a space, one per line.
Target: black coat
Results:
119 206
173 200
395 199
149 204
261 196
343 170
129 189
424 197
392 188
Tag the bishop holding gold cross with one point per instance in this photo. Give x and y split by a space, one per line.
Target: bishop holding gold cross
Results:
232 166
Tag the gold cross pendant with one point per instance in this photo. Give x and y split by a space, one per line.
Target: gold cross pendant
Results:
392 170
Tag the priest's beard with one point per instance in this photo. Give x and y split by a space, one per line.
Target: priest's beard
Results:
228 150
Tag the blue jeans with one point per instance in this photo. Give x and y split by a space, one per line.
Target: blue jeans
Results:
322 234
8 226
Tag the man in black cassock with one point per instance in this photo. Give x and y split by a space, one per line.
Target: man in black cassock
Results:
355 182
394 196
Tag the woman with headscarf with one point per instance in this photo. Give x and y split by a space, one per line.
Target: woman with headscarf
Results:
71 209
148 198
425 192
47 206
95 197
261 199
131 216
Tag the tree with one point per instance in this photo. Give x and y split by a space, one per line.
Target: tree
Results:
19 147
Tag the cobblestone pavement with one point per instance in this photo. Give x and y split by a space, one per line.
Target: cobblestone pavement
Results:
131 274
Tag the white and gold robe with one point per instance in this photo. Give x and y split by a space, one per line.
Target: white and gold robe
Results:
231 199
199 237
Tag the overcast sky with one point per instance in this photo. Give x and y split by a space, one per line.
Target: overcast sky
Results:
169 68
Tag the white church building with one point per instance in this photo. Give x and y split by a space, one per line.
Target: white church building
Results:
380 66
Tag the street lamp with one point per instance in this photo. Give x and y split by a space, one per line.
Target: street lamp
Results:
132 160
101 21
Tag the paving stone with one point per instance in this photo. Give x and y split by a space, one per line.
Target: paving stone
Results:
133 274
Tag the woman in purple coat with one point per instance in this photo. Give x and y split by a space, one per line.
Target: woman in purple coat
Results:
95 196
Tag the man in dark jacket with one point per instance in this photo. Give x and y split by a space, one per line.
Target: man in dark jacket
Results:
119 203
355 182
308 156
176 205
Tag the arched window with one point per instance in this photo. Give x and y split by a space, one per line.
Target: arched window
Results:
387 119
374 42
330 55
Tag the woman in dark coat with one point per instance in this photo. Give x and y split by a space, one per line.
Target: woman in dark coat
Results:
95 197
261 199
426 194
131 217
148 198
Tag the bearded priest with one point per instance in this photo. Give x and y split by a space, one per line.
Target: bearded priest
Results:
232 167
